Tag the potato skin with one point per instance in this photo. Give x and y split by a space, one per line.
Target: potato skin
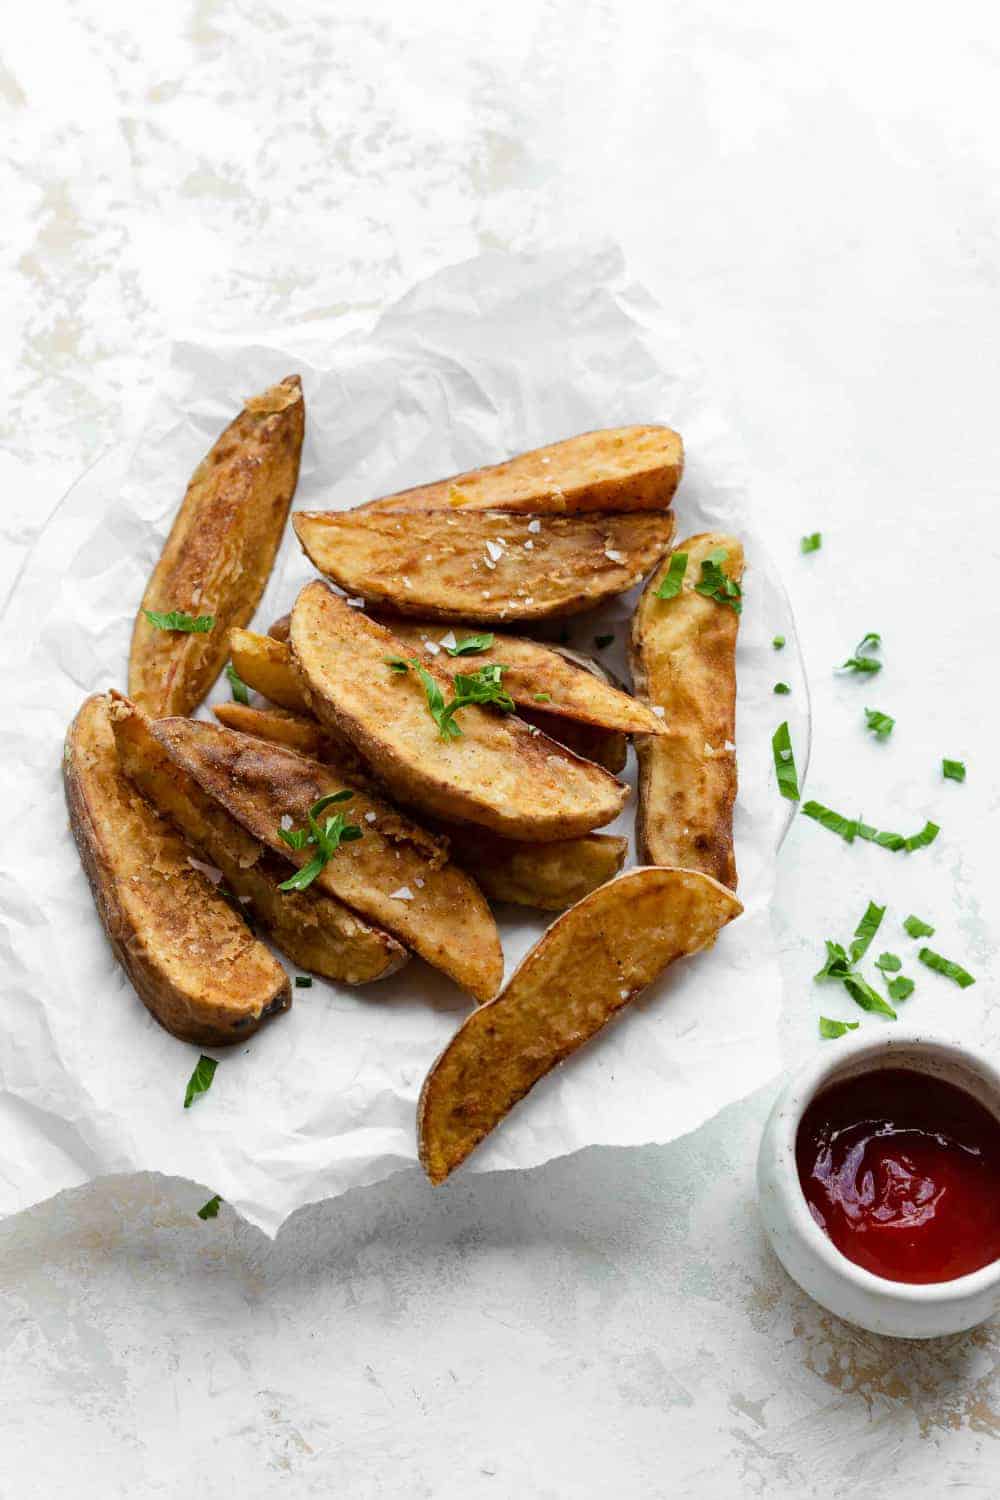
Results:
220 550
592 962
498 775
684 659
483 565
546 876
315 931
194 963
614 468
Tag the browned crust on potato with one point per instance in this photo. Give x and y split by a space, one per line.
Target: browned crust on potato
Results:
589 965
613 468
499 774
316 931
537 677
485 565
265 665
445 918
548 876
194 963
684 660
220 550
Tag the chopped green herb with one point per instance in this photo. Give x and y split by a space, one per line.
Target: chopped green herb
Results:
327 838
850 829
782 688
866 930
176 619
210 1210
542 697
717 585
784 763
945 966
900 988
880 724
483 686
861 661
303 981
917 928
889 963
472 644
201 1079
778 643
396 663
671 585
600 641
240 691
811 543
837 965
830 1029
953 770
862 994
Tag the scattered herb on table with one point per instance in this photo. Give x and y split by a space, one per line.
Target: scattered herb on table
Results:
917 928
900 988
946 966
880 724
953 770
830 1029
850 829
303 981
866 930
782 688
889 963
778 643
210 1210
862 660
811 543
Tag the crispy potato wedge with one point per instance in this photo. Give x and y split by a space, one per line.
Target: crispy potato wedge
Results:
316 931
615 468
398 875
499 774
548 876
684 660
220 550
265 665
483 566
194 963
605 747
537 677
589 965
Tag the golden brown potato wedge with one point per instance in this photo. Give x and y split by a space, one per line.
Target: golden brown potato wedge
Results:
589 965
549 876
265 665
483 566
499 773
220 550
605 747
316 931
537 677
615 468
397 874
194 963
684 661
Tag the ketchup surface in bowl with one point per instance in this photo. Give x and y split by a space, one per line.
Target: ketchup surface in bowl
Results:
902 1172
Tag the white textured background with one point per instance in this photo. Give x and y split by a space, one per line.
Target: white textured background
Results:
814 193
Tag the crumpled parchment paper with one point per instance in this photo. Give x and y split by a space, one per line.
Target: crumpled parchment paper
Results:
481 360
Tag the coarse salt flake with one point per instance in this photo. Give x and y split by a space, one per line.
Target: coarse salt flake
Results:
535 525
529 545
211 872
356 603
286 820
369 817
658 711
495 549
432 647
615 557
449 641
402 894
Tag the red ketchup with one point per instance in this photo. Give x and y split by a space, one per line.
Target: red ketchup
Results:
902 1171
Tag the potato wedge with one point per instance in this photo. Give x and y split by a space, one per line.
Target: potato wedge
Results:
589 965
537 677
683 659
220 550
316 931
397 874
266 666
483 566
615 468
194 963
498 774
548 876
605 747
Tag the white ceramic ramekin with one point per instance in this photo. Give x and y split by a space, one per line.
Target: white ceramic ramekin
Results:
902 1309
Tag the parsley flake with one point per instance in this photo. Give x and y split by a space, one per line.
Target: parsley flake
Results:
778 643
953 770
542 697
210 1210
303 981
850 829
900 988
947 967
201 1079
482 686
866 930
326 837
782 688
862 661
917 928
672 583
717 585
880 724
240 691
176 619
784 763
830 1029
811 543
472 644
889 963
